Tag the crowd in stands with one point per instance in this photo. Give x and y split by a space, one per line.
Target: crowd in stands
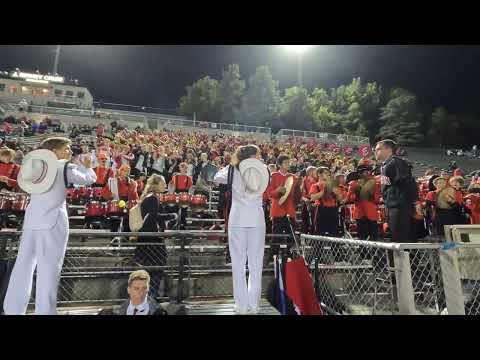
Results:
179 156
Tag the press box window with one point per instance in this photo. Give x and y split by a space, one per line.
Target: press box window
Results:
80 95
69 93
58 92
2 87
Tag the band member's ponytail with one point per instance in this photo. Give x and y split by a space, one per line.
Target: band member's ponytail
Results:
244 152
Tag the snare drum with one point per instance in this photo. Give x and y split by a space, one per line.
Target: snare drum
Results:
95 208
184 200
84 192
20 202
113 208
5 202
72 194
170 199
161 198
97 193
198 201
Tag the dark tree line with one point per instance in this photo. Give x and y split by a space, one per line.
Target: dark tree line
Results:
364 109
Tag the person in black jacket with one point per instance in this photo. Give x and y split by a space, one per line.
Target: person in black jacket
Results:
154 221
398 190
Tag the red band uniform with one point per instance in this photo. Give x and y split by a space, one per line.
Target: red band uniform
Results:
326 211
365 211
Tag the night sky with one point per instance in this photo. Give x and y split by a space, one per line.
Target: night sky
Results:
157 75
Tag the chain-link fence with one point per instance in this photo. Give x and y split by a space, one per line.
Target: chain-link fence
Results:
362 277
182 265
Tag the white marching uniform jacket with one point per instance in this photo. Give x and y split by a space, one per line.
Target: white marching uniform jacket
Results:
45 210
246 242
247 209
43 244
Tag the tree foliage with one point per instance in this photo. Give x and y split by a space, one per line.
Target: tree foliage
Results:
232 89
357 108
261 104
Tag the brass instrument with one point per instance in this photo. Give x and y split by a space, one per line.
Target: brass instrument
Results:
330 185
446 198
366 189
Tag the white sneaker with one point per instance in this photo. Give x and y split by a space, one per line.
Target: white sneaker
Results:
253 311
240 311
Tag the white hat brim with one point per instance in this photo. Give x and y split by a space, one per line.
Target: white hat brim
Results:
262 178
52 167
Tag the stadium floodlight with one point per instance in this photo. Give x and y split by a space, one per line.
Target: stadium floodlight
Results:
299 50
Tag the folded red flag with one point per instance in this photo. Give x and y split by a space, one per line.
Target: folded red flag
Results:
299 287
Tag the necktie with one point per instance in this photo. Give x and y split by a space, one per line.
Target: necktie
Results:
135 310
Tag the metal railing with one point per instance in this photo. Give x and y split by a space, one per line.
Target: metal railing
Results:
323 137
182 265
153 120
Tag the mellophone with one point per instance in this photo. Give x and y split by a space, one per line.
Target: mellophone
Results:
95 207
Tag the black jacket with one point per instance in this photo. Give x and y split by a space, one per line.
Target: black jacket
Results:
154 215
398 184
153 309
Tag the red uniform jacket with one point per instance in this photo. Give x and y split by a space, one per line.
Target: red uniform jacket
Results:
182 183
472 202
288 207
103 174
364 208
127 189
11 171
326 201
307 184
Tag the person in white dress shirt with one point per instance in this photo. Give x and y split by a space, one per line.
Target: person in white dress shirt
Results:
246 226
44 174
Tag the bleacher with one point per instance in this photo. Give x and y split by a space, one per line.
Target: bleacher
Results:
423 158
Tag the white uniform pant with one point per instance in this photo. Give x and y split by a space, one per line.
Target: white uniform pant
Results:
44 250
247 244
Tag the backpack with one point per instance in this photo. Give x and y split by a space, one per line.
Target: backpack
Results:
135 219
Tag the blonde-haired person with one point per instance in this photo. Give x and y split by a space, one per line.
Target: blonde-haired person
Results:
154 217
246 226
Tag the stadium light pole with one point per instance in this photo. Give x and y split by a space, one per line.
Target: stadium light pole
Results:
57 56
299 50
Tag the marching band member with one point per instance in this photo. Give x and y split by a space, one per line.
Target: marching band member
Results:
120 188
365 193
246 225
8 169
44 174
326 196
472 203
457 183
308 181
276 189
102 171
446 202
181 183
282 203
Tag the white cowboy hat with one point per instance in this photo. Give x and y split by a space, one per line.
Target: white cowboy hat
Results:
255 175
38 171
288 185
